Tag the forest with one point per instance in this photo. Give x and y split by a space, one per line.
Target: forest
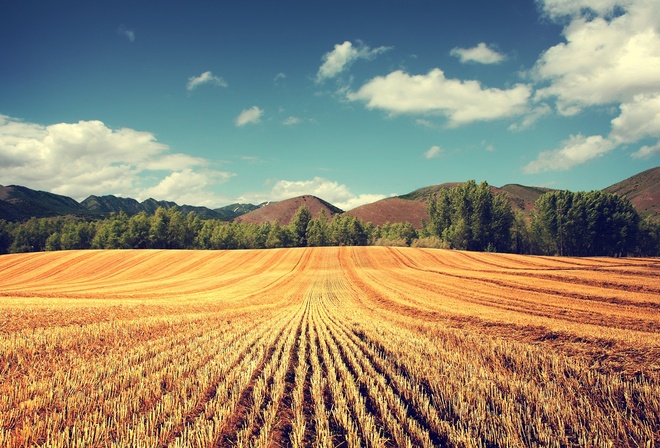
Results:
466 217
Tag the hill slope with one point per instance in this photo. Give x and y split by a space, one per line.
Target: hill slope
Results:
284 211
20 203
642 190
392 210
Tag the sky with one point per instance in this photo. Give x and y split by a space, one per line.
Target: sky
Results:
213 102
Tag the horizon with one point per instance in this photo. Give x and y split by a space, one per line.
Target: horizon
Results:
268 202
211 104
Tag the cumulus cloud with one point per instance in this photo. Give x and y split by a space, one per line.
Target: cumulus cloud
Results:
87 157
189 187
611 55
128 34
647 151
249 116
639 118
433 152
461 102
481 54
576 150
206 78
604 59
342 56
331 191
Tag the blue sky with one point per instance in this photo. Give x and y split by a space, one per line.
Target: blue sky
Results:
213 102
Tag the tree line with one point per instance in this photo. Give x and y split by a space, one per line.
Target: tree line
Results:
467 217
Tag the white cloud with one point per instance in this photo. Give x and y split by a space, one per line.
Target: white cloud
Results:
128 34
647 151
291 121
85 158
556 9
342 56
331 191
531 117
280 76
433 152
576 150
249 116
205 78
461 101
604 59
188 187
481 54
639 118
611 55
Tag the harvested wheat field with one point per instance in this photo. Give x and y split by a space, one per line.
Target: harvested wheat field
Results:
321 347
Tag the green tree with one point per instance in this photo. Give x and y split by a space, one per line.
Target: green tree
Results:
318 231
76 235
109 232
346 230
53 242
159 229
7 230
584 223
137 232
648 241
471 217
279 236
299 225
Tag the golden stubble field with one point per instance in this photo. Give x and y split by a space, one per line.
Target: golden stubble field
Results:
340 346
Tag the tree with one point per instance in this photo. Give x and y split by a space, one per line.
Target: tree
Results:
299 226
279 236
471 217
398 233
346 230
53 242
137 232
159 229
318 231
109 232
648 241
6 236
585 224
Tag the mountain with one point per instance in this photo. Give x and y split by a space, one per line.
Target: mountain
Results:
113 204
642 190
234 210
393 210
20 203
284 211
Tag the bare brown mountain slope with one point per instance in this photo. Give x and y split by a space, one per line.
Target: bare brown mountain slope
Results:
642 190
392 210
284 211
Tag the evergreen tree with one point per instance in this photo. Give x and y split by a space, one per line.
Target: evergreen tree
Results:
470 217
299 226
585 224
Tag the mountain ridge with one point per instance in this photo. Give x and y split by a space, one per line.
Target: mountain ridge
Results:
19 203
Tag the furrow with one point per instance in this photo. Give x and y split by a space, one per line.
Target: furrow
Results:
346 394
